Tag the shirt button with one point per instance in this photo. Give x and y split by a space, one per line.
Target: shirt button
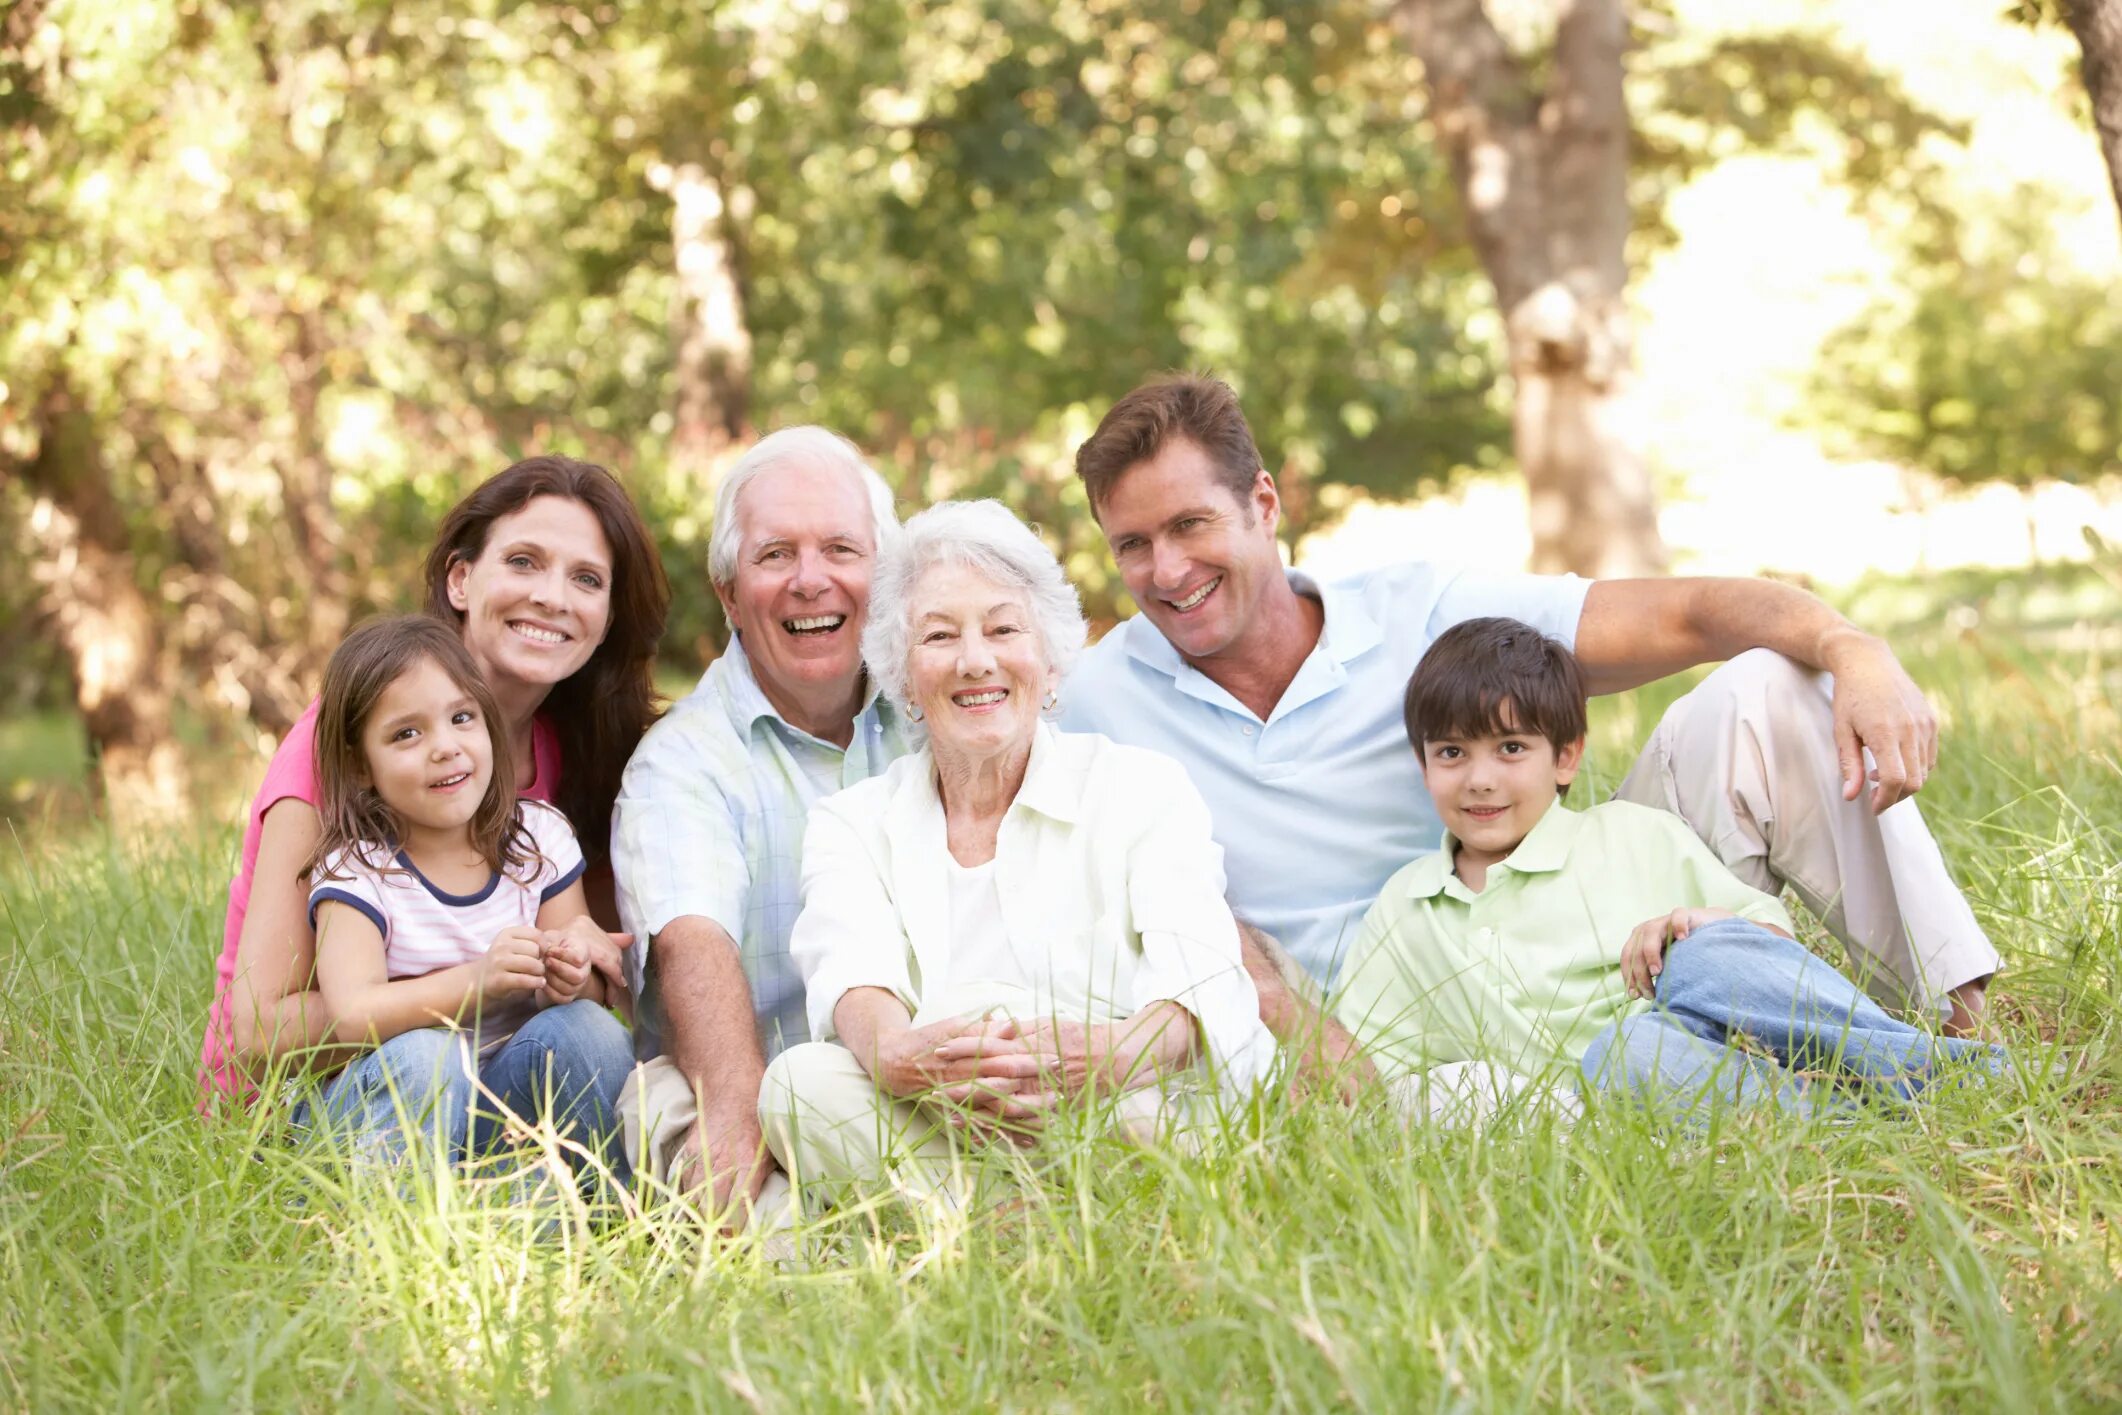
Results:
1248 731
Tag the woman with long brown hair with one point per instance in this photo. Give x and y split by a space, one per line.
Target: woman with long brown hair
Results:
554 585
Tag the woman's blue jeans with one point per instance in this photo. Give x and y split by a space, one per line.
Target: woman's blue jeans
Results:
1733 977
427 1091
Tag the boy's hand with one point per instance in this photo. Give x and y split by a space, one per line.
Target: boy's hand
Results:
514 965
1643 956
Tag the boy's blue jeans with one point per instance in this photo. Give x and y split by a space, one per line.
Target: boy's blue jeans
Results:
565 1064
1734 977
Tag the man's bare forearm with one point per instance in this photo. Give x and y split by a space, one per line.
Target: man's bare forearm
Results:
1637 631
707 1007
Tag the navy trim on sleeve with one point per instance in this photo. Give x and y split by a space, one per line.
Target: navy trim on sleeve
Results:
561 883
375 915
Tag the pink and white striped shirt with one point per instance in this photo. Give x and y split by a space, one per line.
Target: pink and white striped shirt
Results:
425 928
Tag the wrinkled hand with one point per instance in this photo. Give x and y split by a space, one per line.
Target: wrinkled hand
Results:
724 1163
514 964
1643 956
953 1060
1878 706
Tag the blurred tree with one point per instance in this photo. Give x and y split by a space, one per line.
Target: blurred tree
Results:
1531 103
2097 25
281 279
1993 362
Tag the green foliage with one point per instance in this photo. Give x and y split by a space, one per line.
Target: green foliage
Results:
1962 1256
312 267
1995 362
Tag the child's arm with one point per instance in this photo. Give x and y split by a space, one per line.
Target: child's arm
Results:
368 1007
582 959
1643 956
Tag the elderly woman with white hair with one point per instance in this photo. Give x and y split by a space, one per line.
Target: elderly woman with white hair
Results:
1043 908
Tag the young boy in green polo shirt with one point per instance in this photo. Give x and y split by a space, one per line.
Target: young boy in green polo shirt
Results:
1609 947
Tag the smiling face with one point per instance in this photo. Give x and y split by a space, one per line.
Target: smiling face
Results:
426 751
537 601
1196 558
1491 790
801 588
976 668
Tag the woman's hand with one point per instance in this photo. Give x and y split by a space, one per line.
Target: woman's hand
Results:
1069 1059
953 1060
514 965
1643 956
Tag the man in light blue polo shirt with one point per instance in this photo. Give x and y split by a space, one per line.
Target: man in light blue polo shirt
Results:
1282 696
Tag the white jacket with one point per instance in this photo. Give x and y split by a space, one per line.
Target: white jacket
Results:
1111 889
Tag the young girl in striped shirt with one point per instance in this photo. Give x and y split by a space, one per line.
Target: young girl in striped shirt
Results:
452 933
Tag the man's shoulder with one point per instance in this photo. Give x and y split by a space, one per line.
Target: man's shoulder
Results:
867 801
700 722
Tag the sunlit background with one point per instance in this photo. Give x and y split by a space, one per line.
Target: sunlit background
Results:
278 283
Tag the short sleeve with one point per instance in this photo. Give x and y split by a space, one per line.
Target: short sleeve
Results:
677 849
849 934
560 853
292 773
1708 882
344 879
1550 603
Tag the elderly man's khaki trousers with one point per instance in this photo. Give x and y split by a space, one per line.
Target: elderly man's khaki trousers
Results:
1748 760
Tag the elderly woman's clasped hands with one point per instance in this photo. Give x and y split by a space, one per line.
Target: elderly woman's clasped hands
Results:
1005 1076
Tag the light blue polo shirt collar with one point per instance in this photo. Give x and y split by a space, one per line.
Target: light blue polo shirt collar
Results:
1349 631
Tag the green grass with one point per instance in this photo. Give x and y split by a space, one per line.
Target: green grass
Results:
1965 1256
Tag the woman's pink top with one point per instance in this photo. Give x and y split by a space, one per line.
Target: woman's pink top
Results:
293 776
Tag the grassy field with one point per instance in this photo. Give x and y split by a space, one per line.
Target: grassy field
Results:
1964 1256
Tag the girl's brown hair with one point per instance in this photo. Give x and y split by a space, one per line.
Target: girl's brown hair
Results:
352 816
600 711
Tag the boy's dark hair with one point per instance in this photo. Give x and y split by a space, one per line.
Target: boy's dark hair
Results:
1474 668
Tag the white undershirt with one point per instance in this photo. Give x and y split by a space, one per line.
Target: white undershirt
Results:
984 970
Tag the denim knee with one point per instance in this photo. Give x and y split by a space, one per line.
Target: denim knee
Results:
1721 952
587 1049
424 1064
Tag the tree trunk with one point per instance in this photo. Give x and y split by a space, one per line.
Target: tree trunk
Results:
1543 177
714 343
106 626
1587 489
2098 26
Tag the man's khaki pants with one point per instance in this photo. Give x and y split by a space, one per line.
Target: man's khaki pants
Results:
1748 760
657 1107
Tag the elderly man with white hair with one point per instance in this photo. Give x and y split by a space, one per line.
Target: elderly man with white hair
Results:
707 834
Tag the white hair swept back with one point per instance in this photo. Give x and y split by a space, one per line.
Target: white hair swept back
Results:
811 445
984 536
